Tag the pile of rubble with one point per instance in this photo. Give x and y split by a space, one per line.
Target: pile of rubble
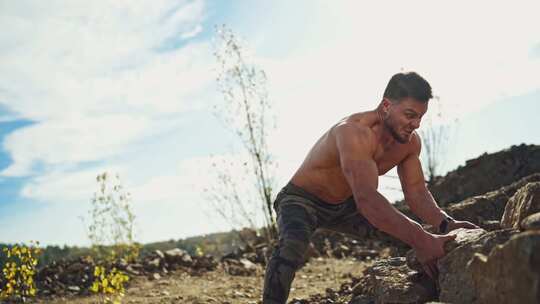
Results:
76 276
60 277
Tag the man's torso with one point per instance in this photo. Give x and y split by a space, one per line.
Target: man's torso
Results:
321 173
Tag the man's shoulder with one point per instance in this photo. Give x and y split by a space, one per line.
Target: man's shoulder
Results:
358 124
353 134
352 129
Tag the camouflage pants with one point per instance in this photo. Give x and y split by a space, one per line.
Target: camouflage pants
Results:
299 214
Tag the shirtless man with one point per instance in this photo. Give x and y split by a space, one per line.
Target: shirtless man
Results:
336 185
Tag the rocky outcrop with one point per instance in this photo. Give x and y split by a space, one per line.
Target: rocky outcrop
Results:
401 280
456 285
510 273
525 202
490 206
487 173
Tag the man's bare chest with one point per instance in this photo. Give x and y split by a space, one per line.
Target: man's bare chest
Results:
386 160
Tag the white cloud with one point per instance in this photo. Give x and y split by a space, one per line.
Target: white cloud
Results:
92 76
166 206
99 57
71 141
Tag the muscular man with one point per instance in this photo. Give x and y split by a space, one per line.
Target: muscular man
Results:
336 185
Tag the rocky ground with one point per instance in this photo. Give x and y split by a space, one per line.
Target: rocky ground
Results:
316 277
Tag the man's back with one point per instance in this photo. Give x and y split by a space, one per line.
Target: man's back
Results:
321 172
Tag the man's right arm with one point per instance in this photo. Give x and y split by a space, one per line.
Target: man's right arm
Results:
356 148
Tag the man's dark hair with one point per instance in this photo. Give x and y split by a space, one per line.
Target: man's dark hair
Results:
410 84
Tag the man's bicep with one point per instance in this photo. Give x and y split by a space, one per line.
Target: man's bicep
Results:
361 175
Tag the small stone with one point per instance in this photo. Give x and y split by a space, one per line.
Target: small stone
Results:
74 288
154 263
132 271
159 253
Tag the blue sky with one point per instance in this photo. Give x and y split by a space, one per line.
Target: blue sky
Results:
128 87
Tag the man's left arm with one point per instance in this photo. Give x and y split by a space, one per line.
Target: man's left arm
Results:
418 196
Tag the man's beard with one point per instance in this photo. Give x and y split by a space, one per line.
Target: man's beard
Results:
389 126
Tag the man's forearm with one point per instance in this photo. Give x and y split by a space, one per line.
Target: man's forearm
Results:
424 206
381 214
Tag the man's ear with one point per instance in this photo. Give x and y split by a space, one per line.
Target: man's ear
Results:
386 103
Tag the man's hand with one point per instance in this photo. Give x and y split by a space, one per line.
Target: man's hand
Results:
453 225
429 251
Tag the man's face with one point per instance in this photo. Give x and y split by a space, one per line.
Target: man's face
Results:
403 117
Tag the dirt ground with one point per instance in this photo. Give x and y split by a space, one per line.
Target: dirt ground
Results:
219 287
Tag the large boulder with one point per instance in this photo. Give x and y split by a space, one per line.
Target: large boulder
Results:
490 206
511 272
525 202
462 236
455 282
392 281
487 173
